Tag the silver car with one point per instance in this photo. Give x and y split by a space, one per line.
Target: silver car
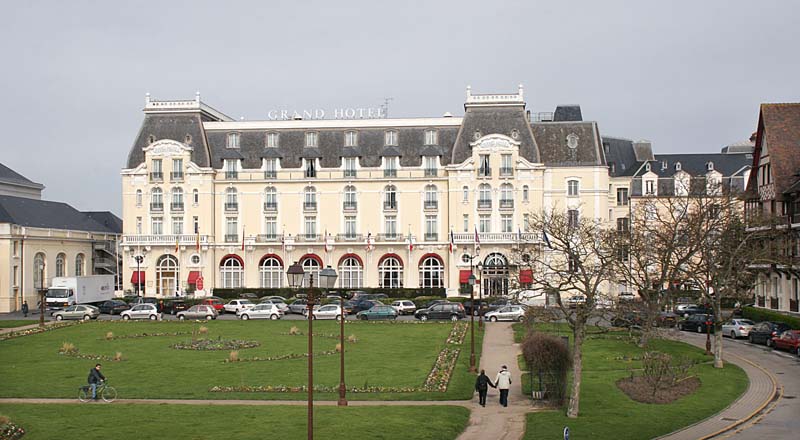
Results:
265 310
506 313
79 311
199 311
142 311
737 328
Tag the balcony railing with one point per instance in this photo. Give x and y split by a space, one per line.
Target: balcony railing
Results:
176 206
390 206
349 206
231 175
268 238
431 236
506 203
484 172
270 174
231 238
270 206
773 303
431 172
166 240
176 176
506 171
390 173
793 305
231 206
156 206
391 236
484 204
760 301
431 204
349 173
309 206
156 176
497 237
349 237
308 238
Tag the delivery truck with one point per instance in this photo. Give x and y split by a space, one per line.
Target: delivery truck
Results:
67 291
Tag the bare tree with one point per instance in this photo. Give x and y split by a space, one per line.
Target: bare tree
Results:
576 257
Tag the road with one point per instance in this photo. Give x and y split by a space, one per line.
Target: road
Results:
781 418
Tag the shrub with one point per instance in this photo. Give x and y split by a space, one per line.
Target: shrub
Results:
109 336
233 356
660 371
203 330
758 314
549 358
288 292
68 347
118 356
294 331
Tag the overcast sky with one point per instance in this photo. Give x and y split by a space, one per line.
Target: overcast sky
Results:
688 75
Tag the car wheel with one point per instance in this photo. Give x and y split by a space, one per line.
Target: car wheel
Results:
521 319
733 335
493 319
209 317
454 318
86 317
126 317
273 317
699 329
423 317
364 317
181 317
244 317
153 317
338 317
750 339
59 318
769 342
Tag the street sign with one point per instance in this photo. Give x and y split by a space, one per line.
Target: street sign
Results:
566 433
199 283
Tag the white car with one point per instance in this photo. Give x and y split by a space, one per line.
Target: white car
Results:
576 300
329 311
532 298
237 305
261 311
627 296
506 313
281 304
737 328
404 307
141 311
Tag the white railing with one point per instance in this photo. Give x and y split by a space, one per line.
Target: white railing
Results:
185 239
497 237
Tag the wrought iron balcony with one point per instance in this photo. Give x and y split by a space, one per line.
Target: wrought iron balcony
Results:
390 236
270 174
156 176
231 238
231 175
268 238
349 237
431 172
506 171
349 205
391 172
308 237
431 236
176 176
349 173
431 204
390 206
484 203
231 206
310 206
270 206
506 203
176 206
484 172
156 206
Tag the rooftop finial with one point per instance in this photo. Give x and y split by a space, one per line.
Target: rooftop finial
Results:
147 98
520 91
469 91
197 96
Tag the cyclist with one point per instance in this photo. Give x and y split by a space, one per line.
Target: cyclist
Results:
95 378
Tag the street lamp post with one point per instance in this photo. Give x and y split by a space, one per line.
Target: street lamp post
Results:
327 278
472 367
138 259
42 298
480 294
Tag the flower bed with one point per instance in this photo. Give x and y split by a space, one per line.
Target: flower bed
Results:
439 377
36 330
458 333
219 344
75 353
10 431
281 357
316 335
145 335
303 389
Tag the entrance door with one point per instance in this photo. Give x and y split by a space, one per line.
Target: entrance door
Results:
167 275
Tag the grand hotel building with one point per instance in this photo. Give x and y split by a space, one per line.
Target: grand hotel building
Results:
212 202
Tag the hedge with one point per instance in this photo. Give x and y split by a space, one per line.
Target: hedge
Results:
758 314
287 292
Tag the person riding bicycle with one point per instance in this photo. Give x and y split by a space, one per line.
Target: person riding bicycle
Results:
95 378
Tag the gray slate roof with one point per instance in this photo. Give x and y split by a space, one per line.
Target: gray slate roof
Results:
172 126
107 219
620 156
54 215
10 176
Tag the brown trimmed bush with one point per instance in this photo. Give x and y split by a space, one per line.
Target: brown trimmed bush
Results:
549 360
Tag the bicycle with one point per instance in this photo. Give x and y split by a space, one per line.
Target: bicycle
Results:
104 391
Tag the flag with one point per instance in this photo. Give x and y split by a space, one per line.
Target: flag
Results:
242 237
545 239
519 234
369 242
283 244
177 247
410 243
452 241
197 241
477 240
325 241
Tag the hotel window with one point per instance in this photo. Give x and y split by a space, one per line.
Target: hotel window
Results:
231 199
390 226
525 193
157 226
310 198
350 201
349 166
466 222
390 272
138 197
572 188
506 195
350 139
622 224
311 167
465 194
195 197
431 137
430 165
506 167
231 168
431 201
484 168
271 273
390 138
622 196
270 199
196 224
272 140
431 227
157 172
39 262
270 168
177 169
231 229
484 223
310 227
156 200
233 140
61 268
231 273
177 199
177 225
351 274
506 223
431 273
484 196
138 226
350 226
390 197
271 227
311 140
572 218
390 166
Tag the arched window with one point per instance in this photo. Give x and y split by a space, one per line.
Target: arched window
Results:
177 198
79 259
485 193
61 265
270 198
350 197
390 197
430 196
138 197
167 275
157 198
431 273
351 274
231 271
390 273
311 266
39 269
494 275
231 197
310 197
506 193
195 196
525 193
271 270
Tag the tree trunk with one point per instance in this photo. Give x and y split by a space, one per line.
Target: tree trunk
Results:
577 369
647 325
717 331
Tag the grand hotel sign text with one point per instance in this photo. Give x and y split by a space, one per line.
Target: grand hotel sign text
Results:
318 113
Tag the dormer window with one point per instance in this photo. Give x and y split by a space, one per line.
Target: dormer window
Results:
311 167
664 165
677 166
431 137
151 139
572 141
350 139
647 167
311 140
710 166
187 139
650 187
272 140
233 140
390 138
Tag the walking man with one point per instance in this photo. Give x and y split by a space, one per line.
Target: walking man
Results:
482 385
503 383
25 308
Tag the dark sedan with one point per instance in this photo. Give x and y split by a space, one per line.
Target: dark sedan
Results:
480 307
698 322
365 305
695 310
174 306
378 312
763 332
450 311
113 307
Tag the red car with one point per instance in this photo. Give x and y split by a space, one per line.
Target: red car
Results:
216 303
788 340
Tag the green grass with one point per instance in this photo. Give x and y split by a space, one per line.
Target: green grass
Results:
607 413
101 421
10 323
386 354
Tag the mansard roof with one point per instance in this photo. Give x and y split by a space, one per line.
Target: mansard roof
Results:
55 215
7 175
696 164
620 156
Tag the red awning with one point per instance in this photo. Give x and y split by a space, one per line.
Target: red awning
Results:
193 276
525 276
463 276
137 277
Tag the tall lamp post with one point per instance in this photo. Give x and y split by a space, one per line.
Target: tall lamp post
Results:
471 281
329 276
139 260
480 293
295 273
42 299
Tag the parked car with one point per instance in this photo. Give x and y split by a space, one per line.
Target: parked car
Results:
265 298
378 312
480 307
266 310
147 300
279 303
532 298
576 300
248 295
737 328
298 306
626 296
499 303
113 306
404 307
142 311
199 311
237 305
449 311
77 311
788 340
365 305
681 307
763 332
694 310
328 311
667 319
507 313
174 306
215 302
432 303
697 322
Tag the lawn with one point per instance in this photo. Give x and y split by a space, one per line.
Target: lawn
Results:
607 413
101 421
10 323
385 355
